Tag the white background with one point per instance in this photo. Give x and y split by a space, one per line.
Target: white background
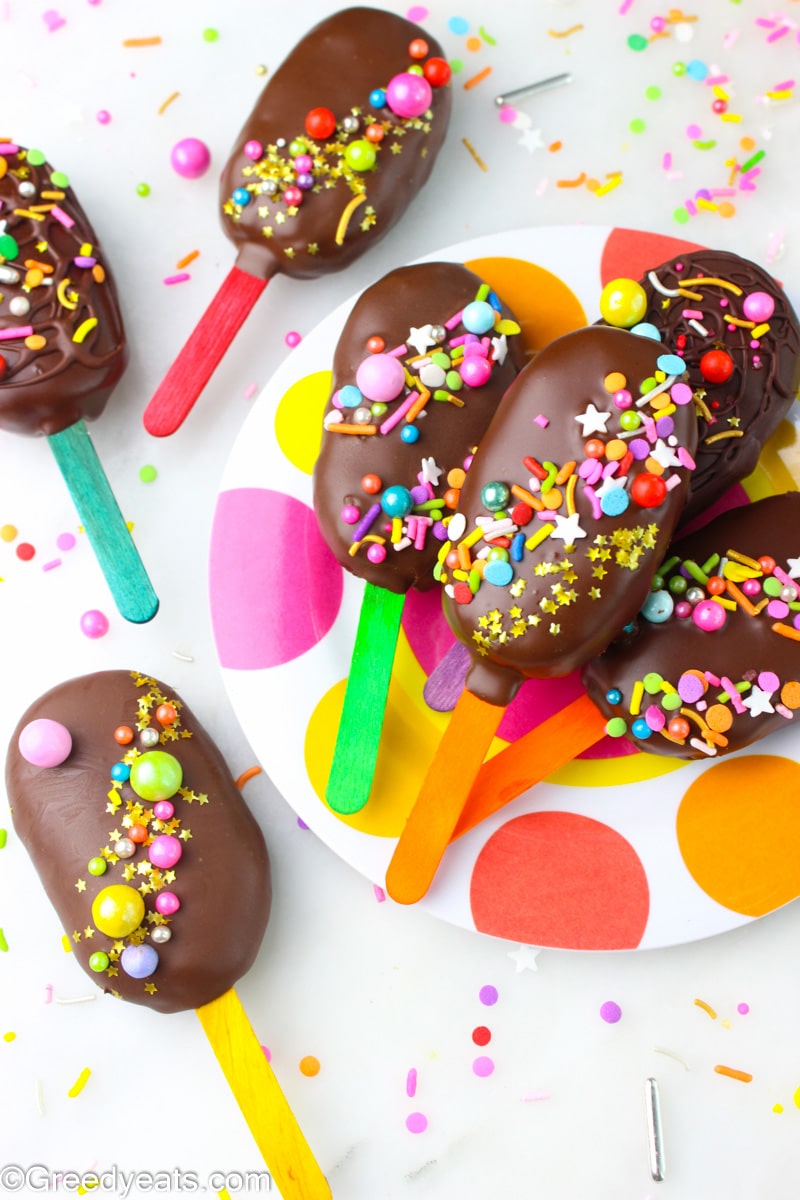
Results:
371 989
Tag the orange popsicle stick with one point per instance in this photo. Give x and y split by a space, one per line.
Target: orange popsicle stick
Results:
441 798
532 758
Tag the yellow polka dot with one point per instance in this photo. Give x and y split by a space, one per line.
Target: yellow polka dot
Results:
298 421
9 1037
738 829
309 1065
542 303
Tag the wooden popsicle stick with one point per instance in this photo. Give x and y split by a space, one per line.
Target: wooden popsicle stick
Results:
441 798
175 396
357 741
105 526
445 683
264 1107
532 758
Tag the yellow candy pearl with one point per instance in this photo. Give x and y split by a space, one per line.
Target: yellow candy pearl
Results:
623 303
118 910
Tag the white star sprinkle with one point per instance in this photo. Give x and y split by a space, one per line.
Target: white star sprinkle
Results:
758 701
610 484
429 471
592 420
531 139
421 338
500 347
664 454
525 958
794 568
568 529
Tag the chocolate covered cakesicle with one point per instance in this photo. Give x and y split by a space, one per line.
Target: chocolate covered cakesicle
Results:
63 350
420 367
343 136
713 663
564 516
159 873
739 336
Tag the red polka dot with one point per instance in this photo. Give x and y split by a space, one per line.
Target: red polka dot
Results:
630 253
25 551
559 879
481 1036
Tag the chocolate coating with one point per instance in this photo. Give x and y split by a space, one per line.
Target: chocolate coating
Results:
746 649
48 381
336 66
738 415
561 601
63 816
403 301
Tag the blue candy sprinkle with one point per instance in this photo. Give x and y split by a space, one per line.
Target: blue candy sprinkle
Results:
614 696
658 607
458 25
696 69
241 196
498 573
350 396
671 364
517 546
640 728
614 502
121 772
409 434
645 329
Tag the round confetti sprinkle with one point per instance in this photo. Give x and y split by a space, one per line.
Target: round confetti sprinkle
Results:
8 532
483 1066
508 114
309 1065
103 117
417 13
637 41
9 1037
25 551
488 995
210 35
458 24
681 216
744 1009
148 474
292 339
143 189
637 125
610 1012
456 65
66 541
416 1122
652 92
94 624
481 1036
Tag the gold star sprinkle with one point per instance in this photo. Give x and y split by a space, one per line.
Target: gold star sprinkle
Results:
81 885
88 932
150 988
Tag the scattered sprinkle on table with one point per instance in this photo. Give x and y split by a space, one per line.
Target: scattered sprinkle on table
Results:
309 1065
733 1073
488 995
610 1011
80 1083
416 1122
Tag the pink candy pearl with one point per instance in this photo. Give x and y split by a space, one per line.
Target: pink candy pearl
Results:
253 150
164 810
758 306
190 157
303 163
623 398
475 371
167 903
94 624
408 95
350 514
751 587
380 378
45 743
376 553
164 851
709 615
683 609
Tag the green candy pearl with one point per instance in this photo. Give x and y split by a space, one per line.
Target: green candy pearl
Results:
156 775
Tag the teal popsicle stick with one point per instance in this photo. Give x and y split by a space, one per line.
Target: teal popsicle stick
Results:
104 524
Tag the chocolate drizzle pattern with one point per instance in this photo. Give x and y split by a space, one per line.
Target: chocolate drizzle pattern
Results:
164 897
62 342
716 666
336 148
708 301
568 507
395 454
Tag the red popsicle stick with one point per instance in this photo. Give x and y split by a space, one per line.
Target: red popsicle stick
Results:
442 796
175 397
532 758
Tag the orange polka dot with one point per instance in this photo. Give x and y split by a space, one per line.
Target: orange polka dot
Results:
473 43
309 1065
747 143
738 829
560 879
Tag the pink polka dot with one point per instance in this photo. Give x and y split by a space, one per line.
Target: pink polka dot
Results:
416 1122
483 1066
275 588
560 879
694 131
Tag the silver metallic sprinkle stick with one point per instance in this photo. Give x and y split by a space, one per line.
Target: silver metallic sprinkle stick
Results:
655 1141
532 89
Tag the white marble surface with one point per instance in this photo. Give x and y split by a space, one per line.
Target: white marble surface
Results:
371 989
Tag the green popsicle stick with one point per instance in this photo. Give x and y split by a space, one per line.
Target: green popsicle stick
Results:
104 524
356 750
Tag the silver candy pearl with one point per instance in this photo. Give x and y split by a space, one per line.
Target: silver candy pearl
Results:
160 934
149 737
27 189
362 416
20 306
351 124
789 594
438 333
695 594
269 187
124 848
280 143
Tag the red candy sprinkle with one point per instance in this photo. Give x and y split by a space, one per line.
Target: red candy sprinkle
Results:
138 834
594 448
376 344
418 48
521 514
715 585
371 484
767 564
481 1036
678 727
166 714
462 593
123 735
25 551
648 491
320 123
374 133
716 366
3 366
437 72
